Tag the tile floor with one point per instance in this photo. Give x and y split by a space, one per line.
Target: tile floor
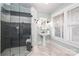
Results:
51 49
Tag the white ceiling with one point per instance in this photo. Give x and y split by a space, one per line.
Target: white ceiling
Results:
46 8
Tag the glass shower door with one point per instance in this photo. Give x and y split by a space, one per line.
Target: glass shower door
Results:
15 51
25 30
5 31
15 30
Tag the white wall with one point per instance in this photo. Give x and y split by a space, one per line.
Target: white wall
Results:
34 25
52 31
44 15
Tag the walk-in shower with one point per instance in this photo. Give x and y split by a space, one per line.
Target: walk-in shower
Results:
15 29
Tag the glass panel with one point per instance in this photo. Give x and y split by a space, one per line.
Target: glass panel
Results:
25 32
58 23
14 28
5 31
0 29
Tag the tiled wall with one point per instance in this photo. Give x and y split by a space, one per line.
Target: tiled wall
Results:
11 37
17 7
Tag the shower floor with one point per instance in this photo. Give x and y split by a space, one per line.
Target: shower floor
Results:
16 51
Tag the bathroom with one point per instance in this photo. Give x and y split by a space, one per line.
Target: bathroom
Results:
36 29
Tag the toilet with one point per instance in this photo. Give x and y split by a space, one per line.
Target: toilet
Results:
28 44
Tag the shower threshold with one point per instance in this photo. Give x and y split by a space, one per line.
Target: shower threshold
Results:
16 51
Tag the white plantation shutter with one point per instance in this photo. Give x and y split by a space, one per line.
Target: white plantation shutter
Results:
58 24
73 17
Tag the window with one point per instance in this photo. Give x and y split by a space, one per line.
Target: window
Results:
73 17
58 25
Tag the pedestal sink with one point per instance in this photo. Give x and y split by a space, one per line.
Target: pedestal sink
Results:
44 34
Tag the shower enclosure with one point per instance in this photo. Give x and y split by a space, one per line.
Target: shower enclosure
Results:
15 29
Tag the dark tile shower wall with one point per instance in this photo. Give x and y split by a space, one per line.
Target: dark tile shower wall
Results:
25 32
11 37
4 36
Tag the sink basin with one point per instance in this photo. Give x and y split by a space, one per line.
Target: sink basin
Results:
44 34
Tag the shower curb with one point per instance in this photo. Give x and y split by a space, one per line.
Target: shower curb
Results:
29 54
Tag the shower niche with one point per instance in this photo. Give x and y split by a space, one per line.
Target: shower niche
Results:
15 30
